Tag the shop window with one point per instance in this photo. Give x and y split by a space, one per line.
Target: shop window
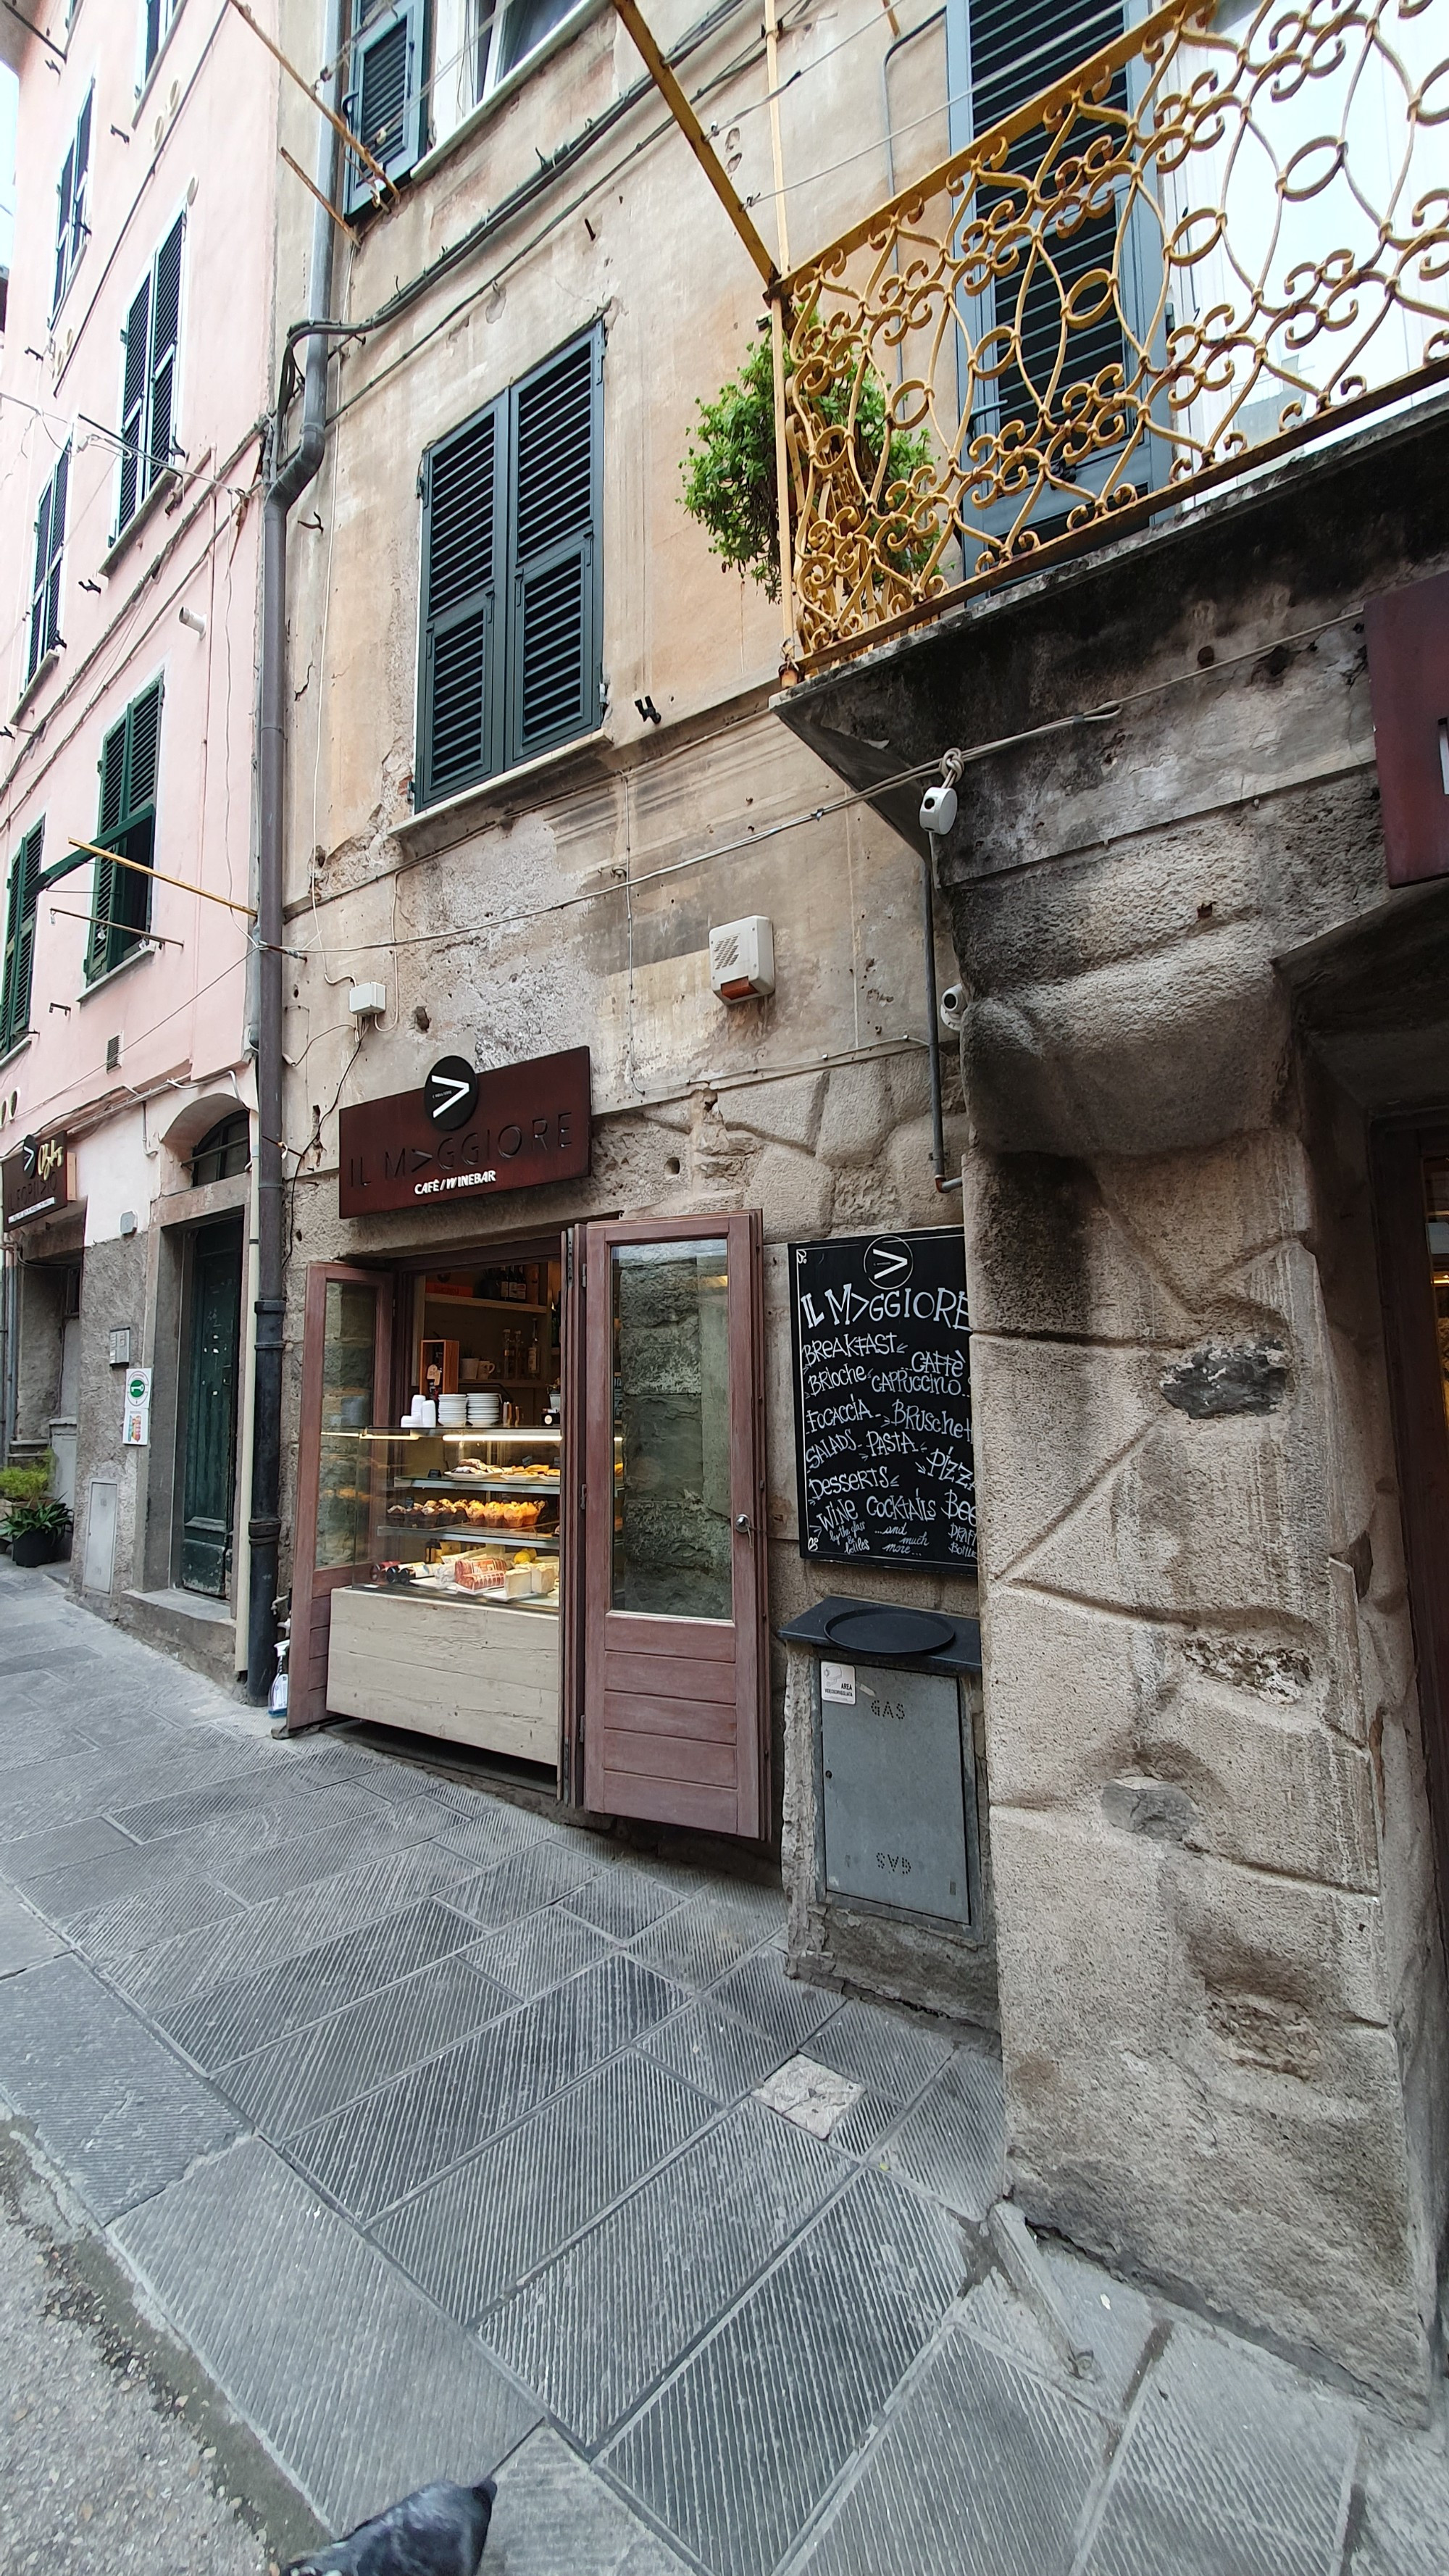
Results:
20 908
71 229
44 633
509 659
121 906
148 383
224 1150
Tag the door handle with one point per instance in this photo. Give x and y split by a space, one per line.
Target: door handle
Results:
745 1525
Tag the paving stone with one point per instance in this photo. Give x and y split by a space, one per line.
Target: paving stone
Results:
298 2080
623 1901
83 1887
488 1831
305 1859
885 2050
814 2097
387 2147
1405 2506
981 2471
36 1737
543 1952
352 2378
244 2015
524 1883
600 2325
696 1944
953 2143
24 1939
553 2511
94 1838
759 1992
1229 2468
108 2101
708 2047
747 2438
45 1658
471 2237
185 1902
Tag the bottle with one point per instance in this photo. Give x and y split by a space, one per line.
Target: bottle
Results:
534 1355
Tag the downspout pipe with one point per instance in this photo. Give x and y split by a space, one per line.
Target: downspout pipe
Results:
938 816
289 480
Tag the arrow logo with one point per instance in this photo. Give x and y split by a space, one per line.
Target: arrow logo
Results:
888 1261
447 1091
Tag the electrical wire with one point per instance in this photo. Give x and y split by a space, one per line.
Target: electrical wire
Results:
137 1039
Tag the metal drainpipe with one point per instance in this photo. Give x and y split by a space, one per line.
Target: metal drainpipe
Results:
264 1527
938 815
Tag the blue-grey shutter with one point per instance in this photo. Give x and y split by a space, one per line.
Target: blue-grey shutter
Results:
385 105
165 326
20 938
36 646
62 227
553 643
459 711
137 344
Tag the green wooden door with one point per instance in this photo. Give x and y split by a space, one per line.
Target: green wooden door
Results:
209 1473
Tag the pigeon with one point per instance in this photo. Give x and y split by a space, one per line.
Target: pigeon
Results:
437 2531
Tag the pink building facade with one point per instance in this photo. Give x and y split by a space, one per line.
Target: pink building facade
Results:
133 407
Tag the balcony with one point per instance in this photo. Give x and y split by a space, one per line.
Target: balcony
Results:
1222 237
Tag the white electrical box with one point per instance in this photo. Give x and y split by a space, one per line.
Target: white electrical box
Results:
742 958
367 1000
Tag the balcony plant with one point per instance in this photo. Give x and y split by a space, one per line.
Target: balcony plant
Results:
730 483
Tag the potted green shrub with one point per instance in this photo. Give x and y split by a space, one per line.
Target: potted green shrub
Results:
37 1530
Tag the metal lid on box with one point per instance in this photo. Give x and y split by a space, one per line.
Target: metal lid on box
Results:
888 1632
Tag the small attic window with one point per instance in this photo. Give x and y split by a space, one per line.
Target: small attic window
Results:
224 1151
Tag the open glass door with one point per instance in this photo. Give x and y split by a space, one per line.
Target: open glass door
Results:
346 1338
676 1682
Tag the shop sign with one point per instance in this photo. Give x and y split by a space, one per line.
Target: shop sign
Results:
36 1181
136 1421
883 1399
529 1125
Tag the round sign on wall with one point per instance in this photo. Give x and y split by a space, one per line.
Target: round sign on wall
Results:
450 1093
888 1262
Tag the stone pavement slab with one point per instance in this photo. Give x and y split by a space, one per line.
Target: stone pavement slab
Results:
553 2514
114 2108
24 1939
359 2387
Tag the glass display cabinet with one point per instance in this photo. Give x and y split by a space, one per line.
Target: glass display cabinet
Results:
471 1516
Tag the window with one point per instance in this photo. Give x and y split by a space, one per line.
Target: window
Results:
20 939
148 384
505 33
384 105
44 633
224 1151
71 229
509 660
121 904
156 17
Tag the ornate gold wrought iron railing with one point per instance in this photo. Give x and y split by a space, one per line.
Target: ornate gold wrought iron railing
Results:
1224 235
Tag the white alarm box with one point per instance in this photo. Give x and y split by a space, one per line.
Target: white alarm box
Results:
742 958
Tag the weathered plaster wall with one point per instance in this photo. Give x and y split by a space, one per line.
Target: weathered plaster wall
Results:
1222 1988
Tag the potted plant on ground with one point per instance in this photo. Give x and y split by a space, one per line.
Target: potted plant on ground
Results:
37 1531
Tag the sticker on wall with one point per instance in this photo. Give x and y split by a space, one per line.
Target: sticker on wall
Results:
837 1682
136 1422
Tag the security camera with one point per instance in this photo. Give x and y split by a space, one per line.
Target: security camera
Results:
938 811
953 1006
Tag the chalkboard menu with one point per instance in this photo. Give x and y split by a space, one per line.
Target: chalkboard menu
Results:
883 1399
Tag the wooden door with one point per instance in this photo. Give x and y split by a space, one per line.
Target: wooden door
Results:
1411 1176
676 1678
346 1337
209 1460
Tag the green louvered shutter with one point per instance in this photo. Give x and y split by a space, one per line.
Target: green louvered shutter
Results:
553 641
20 938
49 546
134 378
165 327
121 904
113 795
62 227
385 105
463 533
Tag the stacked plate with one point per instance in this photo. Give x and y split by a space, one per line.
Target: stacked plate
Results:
483 1411
452 1412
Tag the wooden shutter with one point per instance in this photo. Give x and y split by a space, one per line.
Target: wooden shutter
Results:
137 343
553 641
20 938
165 326
384 105
458 727
113 788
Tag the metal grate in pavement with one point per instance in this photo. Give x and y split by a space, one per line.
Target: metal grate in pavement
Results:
739 2448
953 2143
1229 2468
109 2102
981 2472
237 2018
759 1992
298 2080
595 2330
353 2380
472 2236
386 2147
710 2048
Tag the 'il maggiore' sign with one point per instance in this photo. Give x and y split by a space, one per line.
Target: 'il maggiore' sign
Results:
522 1127
883 1399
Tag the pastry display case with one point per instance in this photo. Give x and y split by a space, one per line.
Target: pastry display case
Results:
468 1515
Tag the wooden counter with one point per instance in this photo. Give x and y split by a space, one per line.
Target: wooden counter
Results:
470 1671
